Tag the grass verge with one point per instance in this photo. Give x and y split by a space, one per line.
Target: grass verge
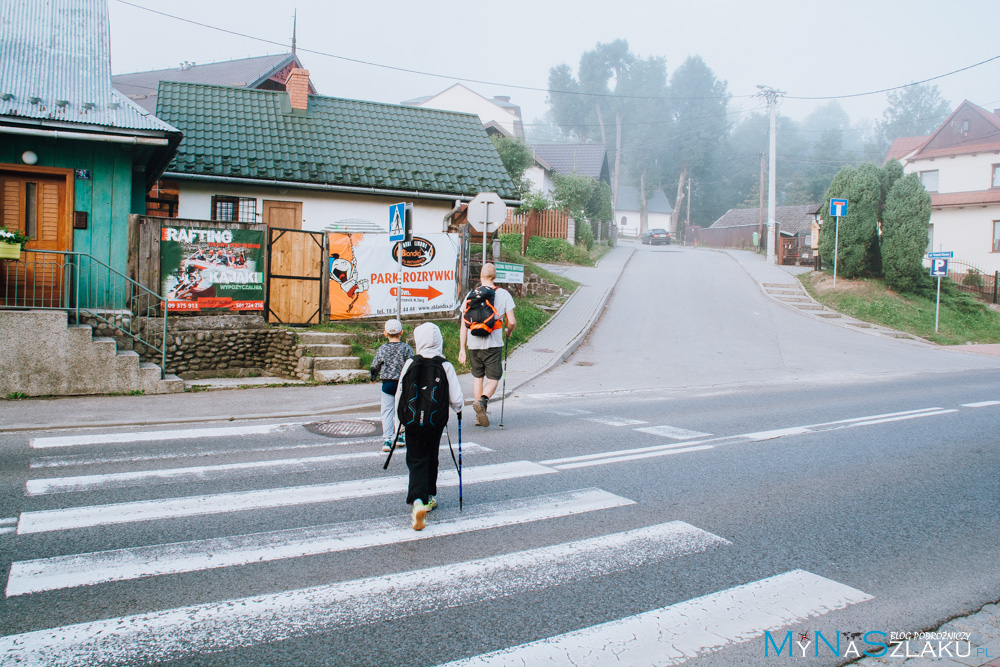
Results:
962 319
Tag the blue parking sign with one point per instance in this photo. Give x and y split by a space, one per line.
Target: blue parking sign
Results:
939 268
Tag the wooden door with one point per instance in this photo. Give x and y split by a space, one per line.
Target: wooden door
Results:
36 204
283 214
295 276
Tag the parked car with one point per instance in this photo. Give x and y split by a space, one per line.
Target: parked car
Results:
654 236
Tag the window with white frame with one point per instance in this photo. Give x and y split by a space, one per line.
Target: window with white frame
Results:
996 236
995 182
929 179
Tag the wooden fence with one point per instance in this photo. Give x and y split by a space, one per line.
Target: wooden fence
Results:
547 224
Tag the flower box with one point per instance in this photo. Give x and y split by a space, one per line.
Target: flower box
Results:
10 250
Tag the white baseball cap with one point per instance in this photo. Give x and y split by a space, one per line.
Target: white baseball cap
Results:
393 327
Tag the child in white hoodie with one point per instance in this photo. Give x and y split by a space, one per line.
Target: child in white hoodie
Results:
422 443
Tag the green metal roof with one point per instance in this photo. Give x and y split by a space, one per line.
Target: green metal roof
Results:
242 133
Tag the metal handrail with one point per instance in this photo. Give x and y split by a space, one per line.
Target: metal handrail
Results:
77 281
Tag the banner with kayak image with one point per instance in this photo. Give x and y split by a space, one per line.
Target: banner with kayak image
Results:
212 269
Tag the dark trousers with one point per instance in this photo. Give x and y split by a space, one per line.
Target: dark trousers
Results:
422 460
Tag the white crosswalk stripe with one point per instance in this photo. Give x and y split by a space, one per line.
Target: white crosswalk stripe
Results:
175 508
677 633
152 436
122 564
175 633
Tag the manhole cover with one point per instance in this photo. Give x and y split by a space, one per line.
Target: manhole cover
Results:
349 429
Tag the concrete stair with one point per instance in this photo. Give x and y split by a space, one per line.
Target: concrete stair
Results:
327 358
40 355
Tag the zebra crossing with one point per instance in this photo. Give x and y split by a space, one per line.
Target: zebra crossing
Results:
67 469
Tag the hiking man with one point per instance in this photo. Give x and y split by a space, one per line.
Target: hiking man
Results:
483 330
424 396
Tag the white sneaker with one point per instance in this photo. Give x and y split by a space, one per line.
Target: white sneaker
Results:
419 514
431 503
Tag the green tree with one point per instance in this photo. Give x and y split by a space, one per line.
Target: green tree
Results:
913 111
699 103
858 238
516 158
574 193
905 230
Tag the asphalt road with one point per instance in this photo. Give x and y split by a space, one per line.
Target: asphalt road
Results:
772 487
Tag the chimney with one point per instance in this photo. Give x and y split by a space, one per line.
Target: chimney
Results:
297 86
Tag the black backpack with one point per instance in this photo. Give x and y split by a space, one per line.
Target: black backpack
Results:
423 399
481 315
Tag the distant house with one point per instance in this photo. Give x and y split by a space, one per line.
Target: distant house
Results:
585 159
301 161
959 165
659 212
798 227
258 73
76 156
498 115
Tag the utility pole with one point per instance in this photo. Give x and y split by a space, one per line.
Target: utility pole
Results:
687 223
760 226
772 102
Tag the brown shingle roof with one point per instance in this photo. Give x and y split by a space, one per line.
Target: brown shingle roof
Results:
903 146
587 159
791 219
950 199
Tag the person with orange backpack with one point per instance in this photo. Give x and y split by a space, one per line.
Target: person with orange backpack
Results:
485 333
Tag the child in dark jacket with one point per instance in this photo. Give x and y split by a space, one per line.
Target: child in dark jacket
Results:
386 366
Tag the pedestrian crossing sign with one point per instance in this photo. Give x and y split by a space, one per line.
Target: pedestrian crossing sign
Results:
397 231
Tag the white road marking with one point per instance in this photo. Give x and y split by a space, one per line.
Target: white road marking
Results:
631 457
981 404
673 432
47 574
900 418
615 421
173 508
570 413
10 521
6 529
215 627
675 634
150 436
48 485
777 433
854 420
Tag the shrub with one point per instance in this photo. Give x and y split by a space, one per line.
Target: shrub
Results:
556 250
905 228
584 234
973 278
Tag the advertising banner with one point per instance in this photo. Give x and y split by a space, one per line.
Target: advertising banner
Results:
364 271
211 269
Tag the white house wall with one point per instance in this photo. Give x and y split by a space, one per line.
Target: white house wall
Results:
319 208
458 98
966 231
541 180
631 227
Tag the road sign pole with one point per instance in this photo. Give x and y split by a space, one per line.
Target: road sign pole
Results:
836 249
486 229
399 282
937 307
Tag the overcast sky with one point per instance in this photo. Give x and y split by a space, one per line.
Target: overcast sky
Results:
807 49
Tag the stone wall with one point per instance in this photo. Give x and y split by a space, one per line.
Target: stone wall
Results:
233 344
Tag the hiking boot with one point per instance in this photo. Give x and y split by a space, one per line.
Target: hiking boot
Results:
386 446
432 503
419 513
482 419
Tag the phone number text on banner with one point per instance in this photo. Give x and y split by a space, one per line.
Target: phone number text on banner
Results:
211 269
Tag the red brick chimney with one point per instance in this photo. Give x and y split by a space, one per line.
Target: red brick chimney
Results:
297 86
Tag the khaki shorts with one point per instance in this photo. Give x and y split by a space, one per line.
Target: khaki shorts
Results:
486 362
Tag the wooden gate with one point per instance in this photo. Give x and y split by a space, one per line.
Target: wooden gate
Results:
296 276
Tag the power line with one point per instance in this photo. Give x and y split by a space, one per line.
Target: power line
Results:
886 90
414 71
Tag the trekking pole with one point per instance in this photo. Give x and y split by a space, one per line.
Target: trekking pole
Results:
459 462
393 448
503 391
